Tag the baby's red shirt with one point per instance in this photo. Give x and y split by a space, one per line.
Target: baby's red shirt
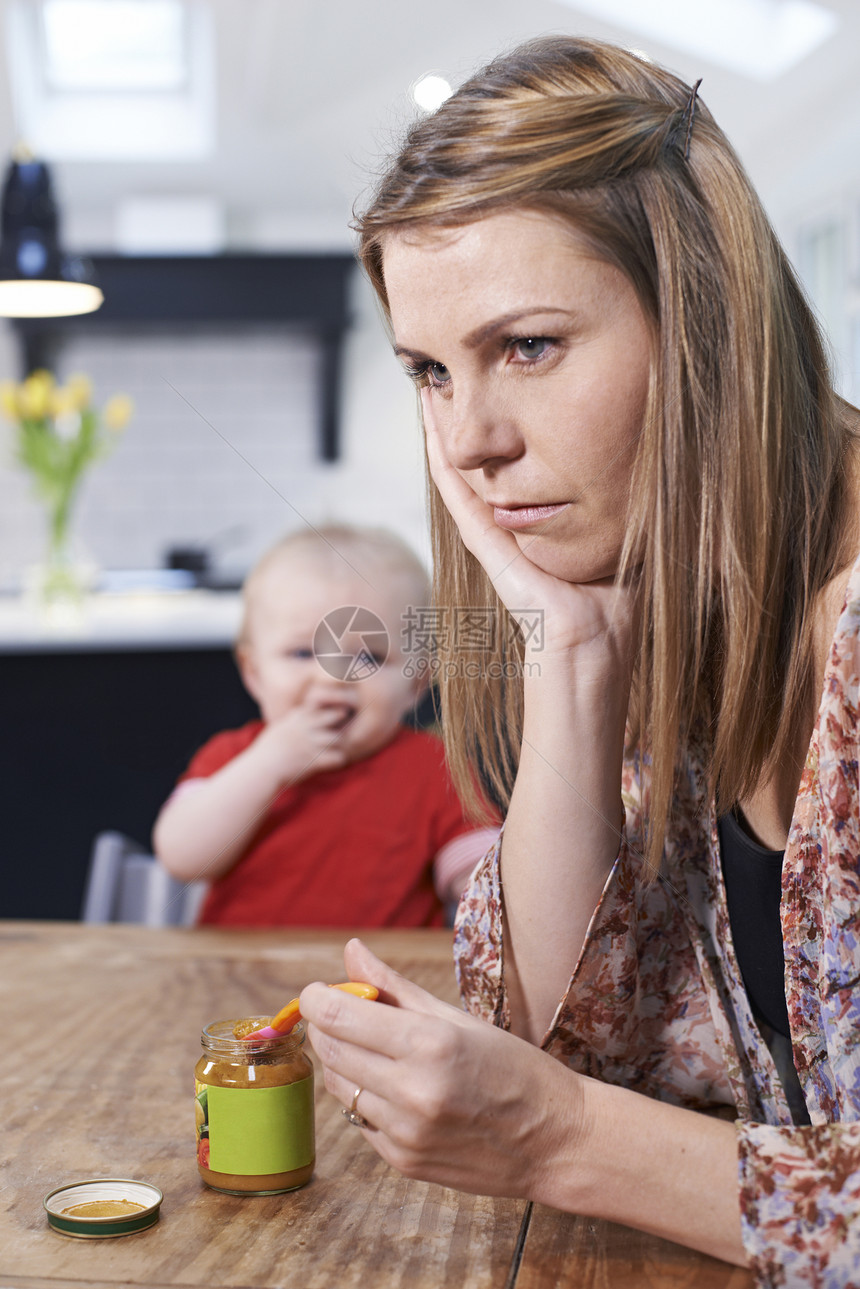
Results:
352 847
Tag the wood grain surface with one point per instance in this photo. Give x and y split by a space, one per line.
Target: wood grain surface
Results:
566 1252
101 1028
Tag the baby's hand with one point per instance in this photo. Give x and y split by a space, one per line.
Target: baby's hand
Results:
305 741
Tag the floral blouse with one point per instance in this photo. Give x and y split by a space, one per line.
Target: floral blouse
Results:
656 1001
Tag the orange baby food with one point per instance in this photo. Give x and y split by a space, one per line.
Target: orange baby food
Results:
243 1028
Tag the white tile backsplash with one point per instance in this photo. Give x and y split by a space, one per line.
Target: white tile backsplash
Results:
223 445
177 476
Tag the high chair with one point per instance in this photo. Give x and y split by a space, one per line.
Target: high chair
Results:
125 883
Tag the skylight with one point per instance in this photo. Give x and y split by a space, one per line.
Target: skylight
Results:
112 80
761 39
114 44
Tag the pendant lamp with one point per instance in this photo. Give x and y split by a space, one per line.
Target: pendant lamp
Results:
37 280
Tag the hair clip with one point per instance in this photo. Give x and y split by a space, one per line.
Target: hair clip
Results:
689 116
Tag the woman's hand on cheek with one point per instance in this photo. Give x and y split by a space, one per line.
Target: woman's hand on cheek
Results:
448 1098
495 548
573 614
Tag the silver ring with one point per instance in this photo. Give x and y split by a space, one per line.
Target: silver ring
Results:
352 1116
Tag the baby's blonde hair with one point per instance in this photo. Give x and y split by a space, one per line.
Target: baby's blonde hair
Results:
376 556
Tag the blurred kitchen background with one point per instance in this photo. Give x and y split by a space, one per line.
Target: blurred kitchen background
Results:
205 157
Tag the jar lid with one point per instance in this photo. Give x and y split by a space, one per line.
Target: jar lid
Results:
100 1208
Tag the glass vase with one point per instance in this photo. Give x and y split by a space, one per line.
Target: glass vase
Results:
61 583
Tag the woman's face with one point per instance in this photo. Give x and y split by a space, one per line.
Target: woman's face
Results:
538 358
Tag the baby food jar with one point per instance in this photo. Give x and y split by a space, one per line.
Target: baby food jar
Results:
255 1111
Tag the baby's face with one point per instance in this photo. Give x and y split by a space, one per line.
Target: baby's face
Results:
282 669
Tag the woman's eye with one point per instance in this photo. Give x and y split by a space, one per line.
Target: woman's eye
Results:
432 374
438 374
301 654
531 347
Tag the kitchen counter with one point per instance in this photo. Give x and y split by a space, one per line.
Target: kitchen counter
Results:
109 622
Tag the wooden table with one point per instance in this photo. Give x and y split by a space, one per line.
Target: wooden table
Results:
100 1031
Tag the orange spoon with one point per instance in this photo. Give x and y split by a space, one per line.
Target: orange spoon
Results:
288 1016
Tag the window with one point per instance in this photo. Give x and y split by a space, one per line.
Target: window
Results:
760 39
852 383
112 80
100 45
821 261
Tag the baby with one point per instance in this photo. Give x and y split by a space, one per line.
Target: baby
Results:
327 811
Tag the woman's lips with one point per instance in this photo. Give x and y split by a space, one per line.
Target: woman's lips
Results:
525 516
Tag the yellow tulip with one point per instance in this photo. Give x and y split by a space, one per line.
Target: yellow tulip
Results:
34 395
117 412
9 399
80 390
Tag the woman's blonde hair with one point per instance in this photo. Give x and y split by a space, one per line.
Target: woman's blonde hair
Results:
736 514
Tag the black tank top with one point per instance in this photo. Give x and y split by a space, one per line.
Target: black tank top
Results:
753 877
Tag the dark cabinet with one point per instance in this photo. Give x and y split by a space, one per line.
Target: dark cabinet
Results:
95 740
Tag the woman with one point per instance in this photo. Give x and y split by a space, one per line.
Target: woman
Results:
635 443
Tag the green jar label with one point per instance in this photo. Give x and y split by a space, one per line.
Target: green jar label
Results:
254 1131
